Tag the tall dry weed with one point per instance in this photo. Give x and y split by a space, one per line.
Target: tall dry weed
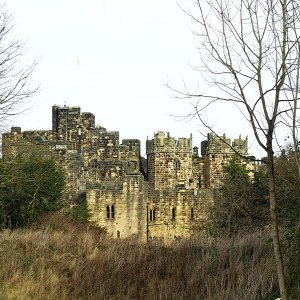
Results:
62 259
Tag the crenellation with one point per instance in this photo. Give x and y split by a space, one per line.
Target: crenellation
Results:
217 153
164 197
16 130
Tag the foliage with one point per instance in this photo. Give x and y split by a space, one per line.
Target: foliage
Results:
287 184
242 205
250 54
80 211
288 191
28 185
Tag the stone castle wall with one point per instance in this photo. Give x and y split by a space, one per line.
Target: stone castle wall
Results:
166 202
119 207
175 214
171 214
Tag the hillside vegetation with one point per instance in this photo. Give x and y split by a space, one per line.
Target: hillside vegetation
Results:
59 258
62 256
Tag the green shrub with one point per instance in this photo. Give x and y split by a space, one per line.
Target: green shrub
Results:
29 185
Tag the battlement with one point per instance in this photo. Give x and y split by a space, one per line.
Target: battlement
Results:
133 145
223 145
185 144
165 143
240 145
16 130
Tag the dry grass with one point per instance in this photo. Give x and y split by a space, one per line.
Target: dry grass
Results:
61 259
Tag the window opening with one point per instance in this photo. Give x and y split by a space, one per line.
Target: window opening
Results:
192 213
199 182
173 213
176 164
112 212
94 163
107 212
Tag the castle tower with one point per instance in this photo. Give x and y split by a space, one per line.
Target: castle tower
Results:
169 161
68 123
64 120
217 153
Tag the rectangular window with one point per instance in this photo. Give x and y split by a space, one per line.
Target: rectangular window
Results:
112 212
192 213
107 212
173 213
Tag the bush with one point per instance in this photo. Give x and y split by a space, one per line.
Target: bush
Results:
241 205
29 185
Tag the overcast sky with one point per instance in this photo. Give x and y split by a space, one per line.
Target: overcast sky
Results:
113 58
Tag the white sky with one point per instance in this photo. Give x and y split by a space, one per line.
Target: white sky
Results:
113 58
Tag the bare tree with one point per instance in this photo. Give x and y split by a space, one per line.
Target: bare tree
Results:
291 118
15 86
250 58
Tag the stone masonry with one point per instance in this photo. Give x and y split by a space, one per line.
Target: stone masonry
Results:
165 200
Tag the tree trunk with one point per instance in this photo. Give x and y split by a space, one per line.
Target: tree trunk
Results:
274 228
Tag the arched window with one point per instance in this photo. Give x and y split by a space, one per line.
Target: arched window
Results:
192 213
150 213
173 213
107 212
154 214
176 164
112 212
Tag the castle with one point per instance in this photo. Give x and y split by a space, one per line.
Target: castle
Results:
165 196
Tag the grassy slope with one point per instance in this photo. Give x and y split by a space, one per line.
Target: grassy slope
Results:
62 259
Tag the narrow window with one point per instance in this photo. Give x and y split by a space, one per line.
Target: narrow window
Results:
173 213
154 215
199 182
192 213
94 163
150 214
112 212
107 212
118 234
176 164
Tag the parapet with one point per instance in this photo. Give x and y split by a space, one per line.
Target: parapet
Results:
241 145
185 143
16 130
222 145
165 143
133 145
